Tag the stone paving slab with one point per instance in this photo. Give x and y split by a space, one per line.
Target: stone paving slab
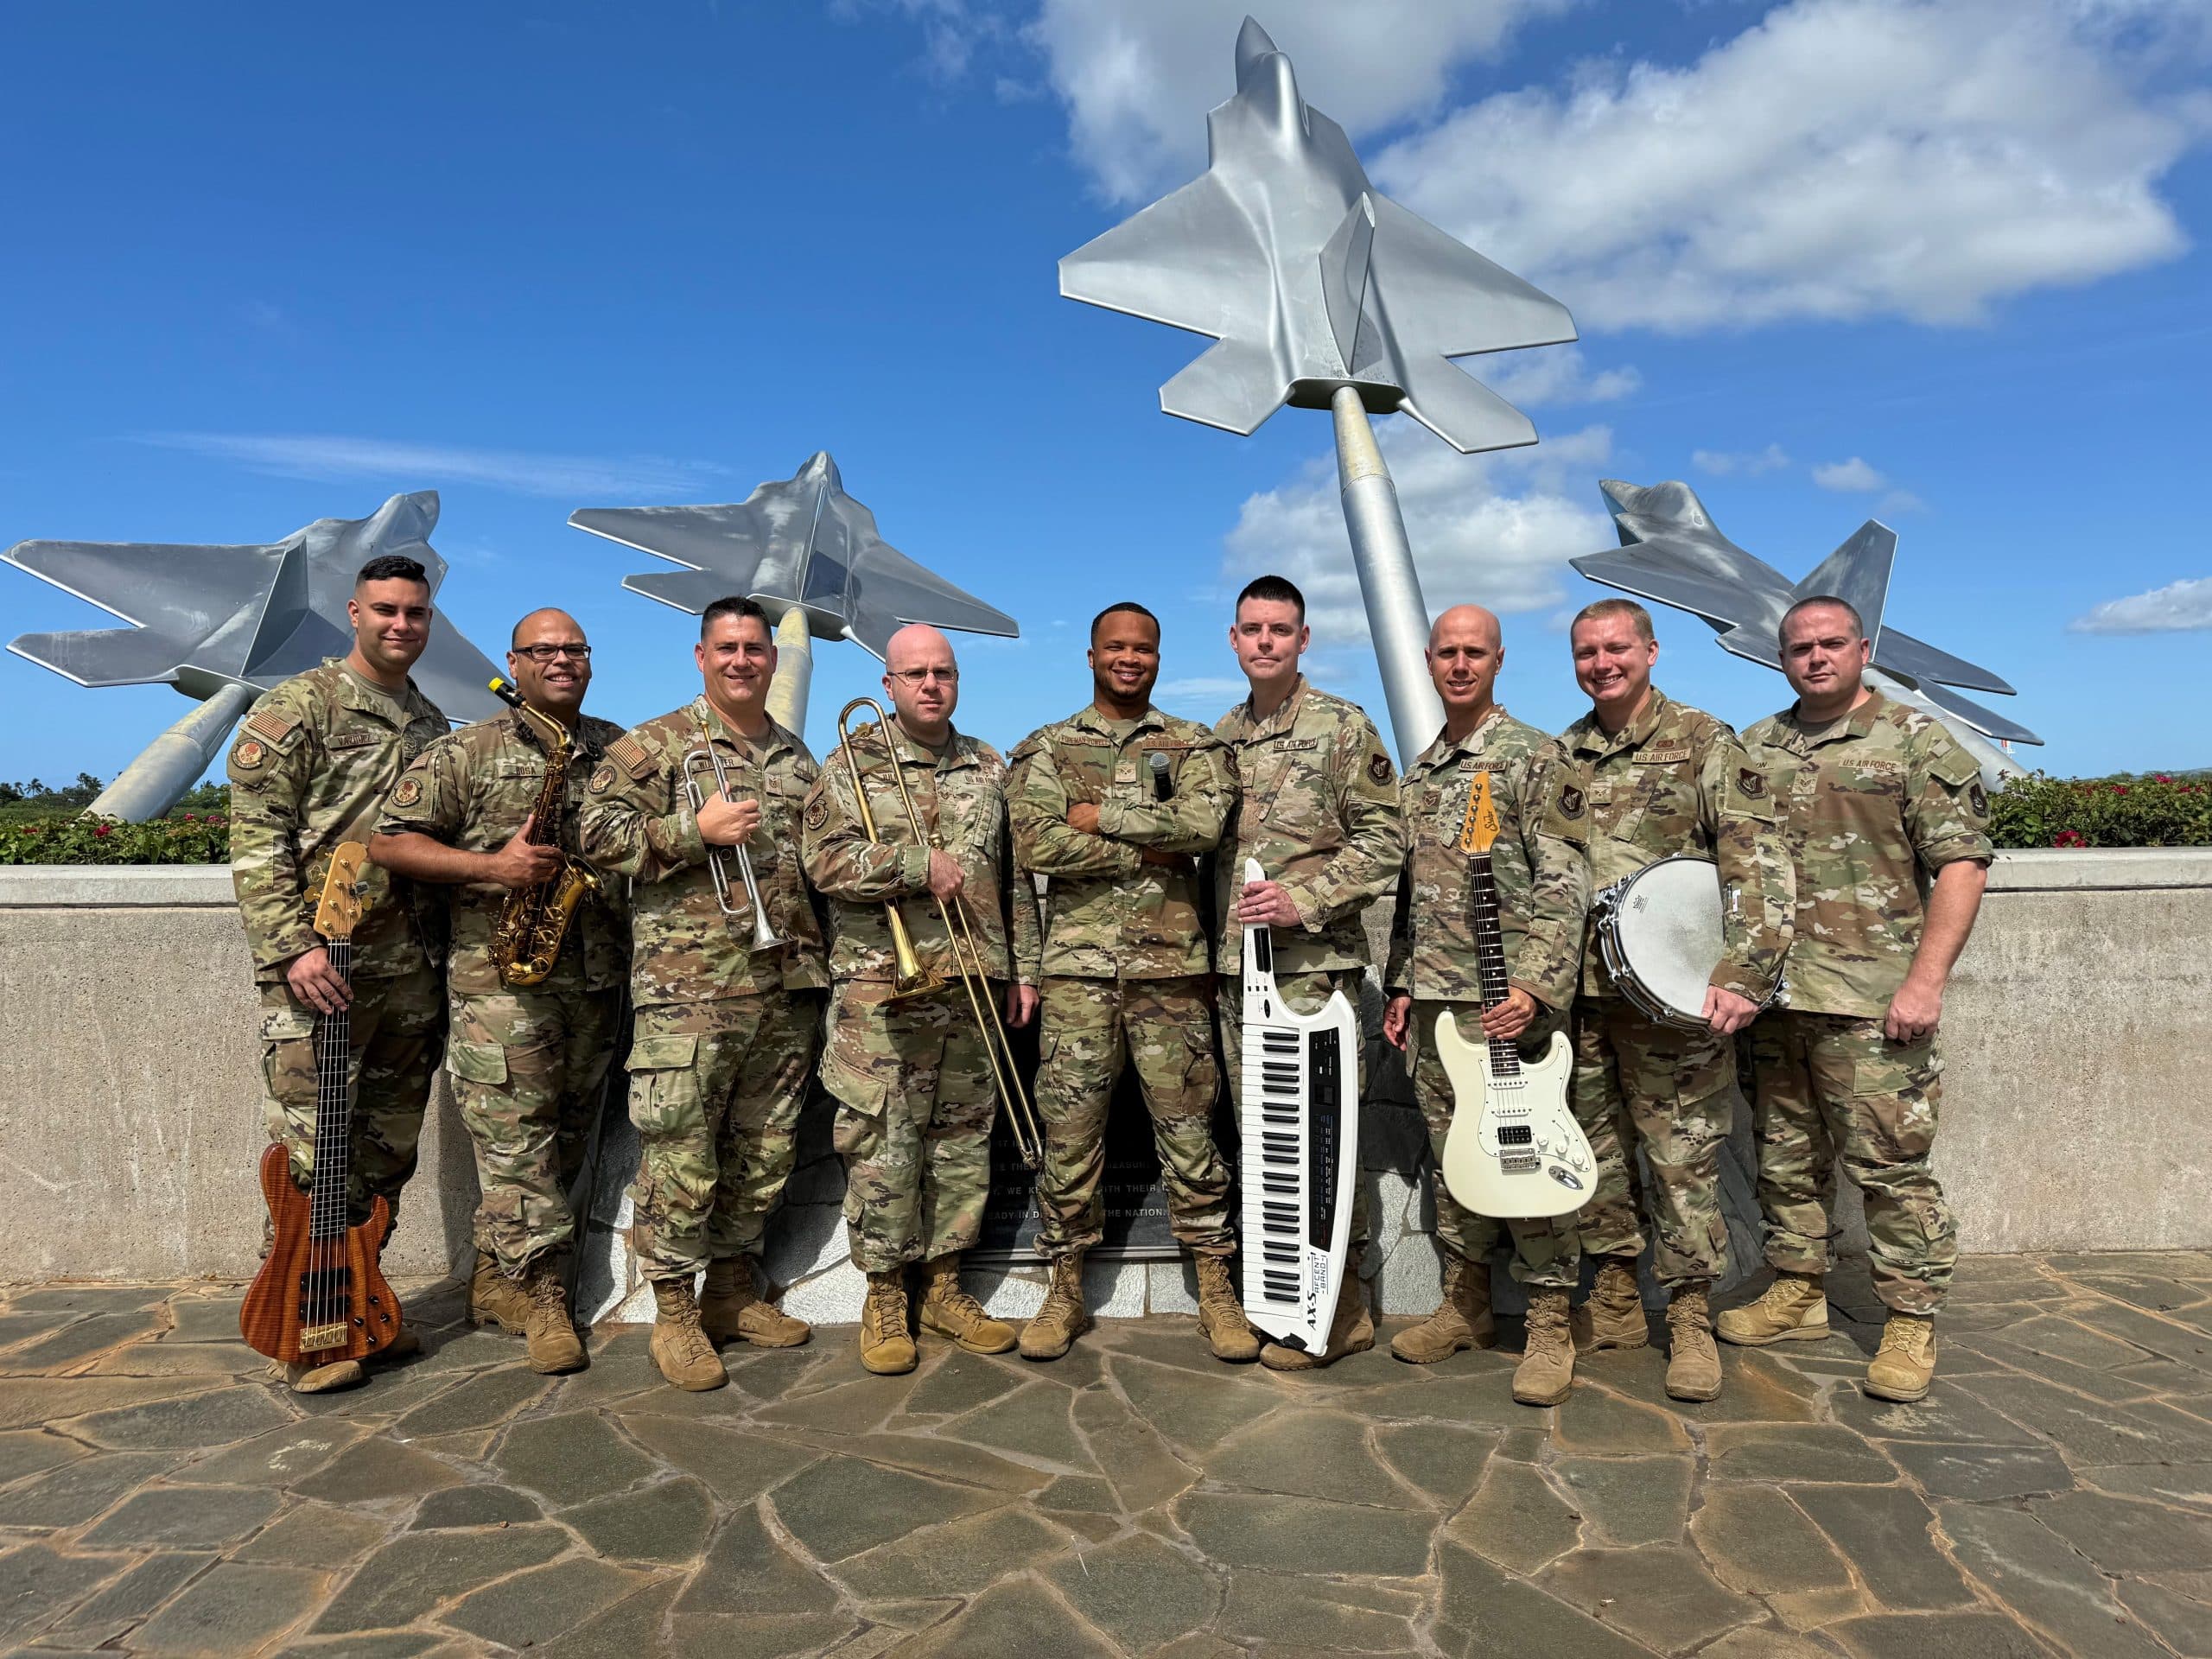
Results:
2053 1496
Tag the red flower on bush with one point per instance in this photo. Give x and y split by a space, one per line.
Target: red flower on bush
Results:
2119 789
2069 838
2160 777
103 829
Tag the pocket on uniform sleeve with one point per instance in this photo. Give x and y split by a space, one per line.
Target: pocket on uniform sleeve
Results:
477 1062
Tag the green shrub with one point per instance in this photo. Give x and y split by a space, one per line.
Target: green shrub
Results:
67 839
2154 809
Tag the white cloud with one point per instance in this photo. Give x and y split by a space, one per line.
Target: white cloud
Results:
1495 529
580 479
2177 607
1557 376
1852 477
1138 76
1726 464
1839 159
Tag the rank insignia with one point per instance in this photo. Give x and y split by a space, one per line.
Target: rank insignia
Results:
248 754
409 793
1570 802
1977 799
1752 783
1378 768
603 779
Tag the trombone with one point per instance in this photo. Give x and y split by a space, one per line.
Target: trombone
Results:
703 758
910 978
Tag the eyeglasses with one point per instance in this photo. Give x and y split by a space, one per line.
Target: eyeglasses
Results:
546 653
917 676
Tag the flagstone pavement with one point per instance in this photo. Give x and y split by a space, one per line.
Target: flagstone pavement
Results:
2053 1496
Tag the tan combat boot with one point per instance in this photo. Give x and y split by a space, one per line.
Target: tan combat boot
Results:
555 1347
494 1299
1905 1365
679 1346
1546 1369
1462 1320
1614 1310
1794 1309
948 1311
732 1309
1221 1313
1693 1362
1051 1331
1351 1331
887 1346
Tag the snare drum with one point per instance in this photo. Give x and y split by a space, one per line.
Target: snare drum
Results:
1659 937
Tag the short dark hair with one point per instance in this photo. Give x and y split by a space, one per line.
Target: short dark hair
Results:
1275 590
734 606
1127 606
1858 622
391 567
1599 610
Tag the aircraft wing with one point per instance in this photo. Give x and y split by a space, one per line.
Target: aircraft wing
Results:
1923 661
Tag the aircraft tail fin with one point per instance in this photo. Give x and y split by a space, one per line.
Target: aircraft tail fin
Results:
1858 573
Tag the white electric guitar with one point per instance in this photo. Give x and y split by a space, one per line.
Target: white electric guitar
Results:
1513 1148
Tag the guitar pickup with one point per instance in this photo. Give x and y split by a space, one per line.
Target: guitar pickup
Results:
1514 1135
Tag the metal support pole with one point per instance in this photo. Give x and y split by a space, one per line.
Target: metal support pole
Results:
171 763
794 672
1387 581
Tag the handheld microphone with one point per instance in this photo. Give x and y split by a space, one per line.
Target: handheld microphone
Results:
1163 786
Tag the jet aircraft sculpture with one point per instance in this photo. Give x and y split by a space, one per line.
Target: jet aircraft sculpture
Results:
1323 293
809 554
1672 553
223 624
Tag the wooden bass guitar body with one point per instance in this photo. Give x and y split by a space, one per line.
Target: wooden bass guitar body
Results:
317 1300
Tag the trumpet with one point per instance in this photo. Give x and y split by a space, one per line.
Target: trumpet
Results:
910 978
706 758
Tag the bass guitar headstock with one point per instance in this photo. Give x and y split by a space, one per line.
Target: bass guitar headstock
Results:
339 911
1478 831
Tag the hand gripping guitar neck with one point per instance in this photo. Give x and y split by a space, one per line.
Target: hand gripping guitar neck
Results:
1298 1115
319 1296
1514 1147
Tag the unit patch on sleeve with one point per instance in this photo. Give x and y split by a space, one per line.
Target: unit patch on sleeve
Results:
1751 782
817 811
603 779
1378 768
1977 799
1570 802
409 793
248 755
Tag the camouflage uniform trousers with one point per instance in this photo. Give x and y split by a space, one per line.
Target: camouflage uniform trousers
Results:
1305 993
715 1090
1636 1083
1164 1027
528 1069
1830 1088
1459 1230
915 1104
397 1026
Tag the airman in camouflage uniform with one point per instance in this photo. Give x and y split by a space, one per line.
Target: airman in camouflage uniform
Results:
529 1063
309 770
1127 975
912 1078
1875 799
724 1036
1668 779
1435 965
1318 807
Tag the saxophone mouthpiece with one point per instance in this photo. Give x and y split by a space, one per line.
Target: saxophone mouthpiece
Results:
505 692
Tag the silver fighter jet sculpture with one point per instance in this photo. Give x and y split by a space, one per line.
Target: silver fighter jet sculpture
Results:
223 624
1323 293
1672 553
809 554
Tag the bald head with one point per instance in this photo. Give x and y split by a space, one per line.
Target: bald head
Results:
548 623
923 680
917 646
1466 649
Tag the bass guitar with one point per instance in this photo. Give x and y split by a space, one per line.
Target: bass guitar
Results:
1513 1148
319 1296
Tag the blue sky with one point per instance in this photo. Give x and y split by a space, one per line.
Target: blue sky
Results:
1936 262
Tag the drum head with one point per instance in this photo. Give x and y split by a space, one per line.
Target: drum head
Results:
1667 927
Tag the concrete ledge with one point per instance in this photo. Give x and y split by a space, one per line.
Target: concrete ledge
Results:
110 886
2110 869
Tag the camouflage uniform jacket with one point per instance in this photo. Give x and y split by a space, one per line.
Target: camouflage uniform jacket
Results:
1109 914
960 796
1867 804
310 768
1537 863
636 821
472 790
1318 806
1675 780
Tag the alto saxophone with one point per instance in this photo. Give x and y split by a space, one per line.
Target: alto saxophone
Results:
526 939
